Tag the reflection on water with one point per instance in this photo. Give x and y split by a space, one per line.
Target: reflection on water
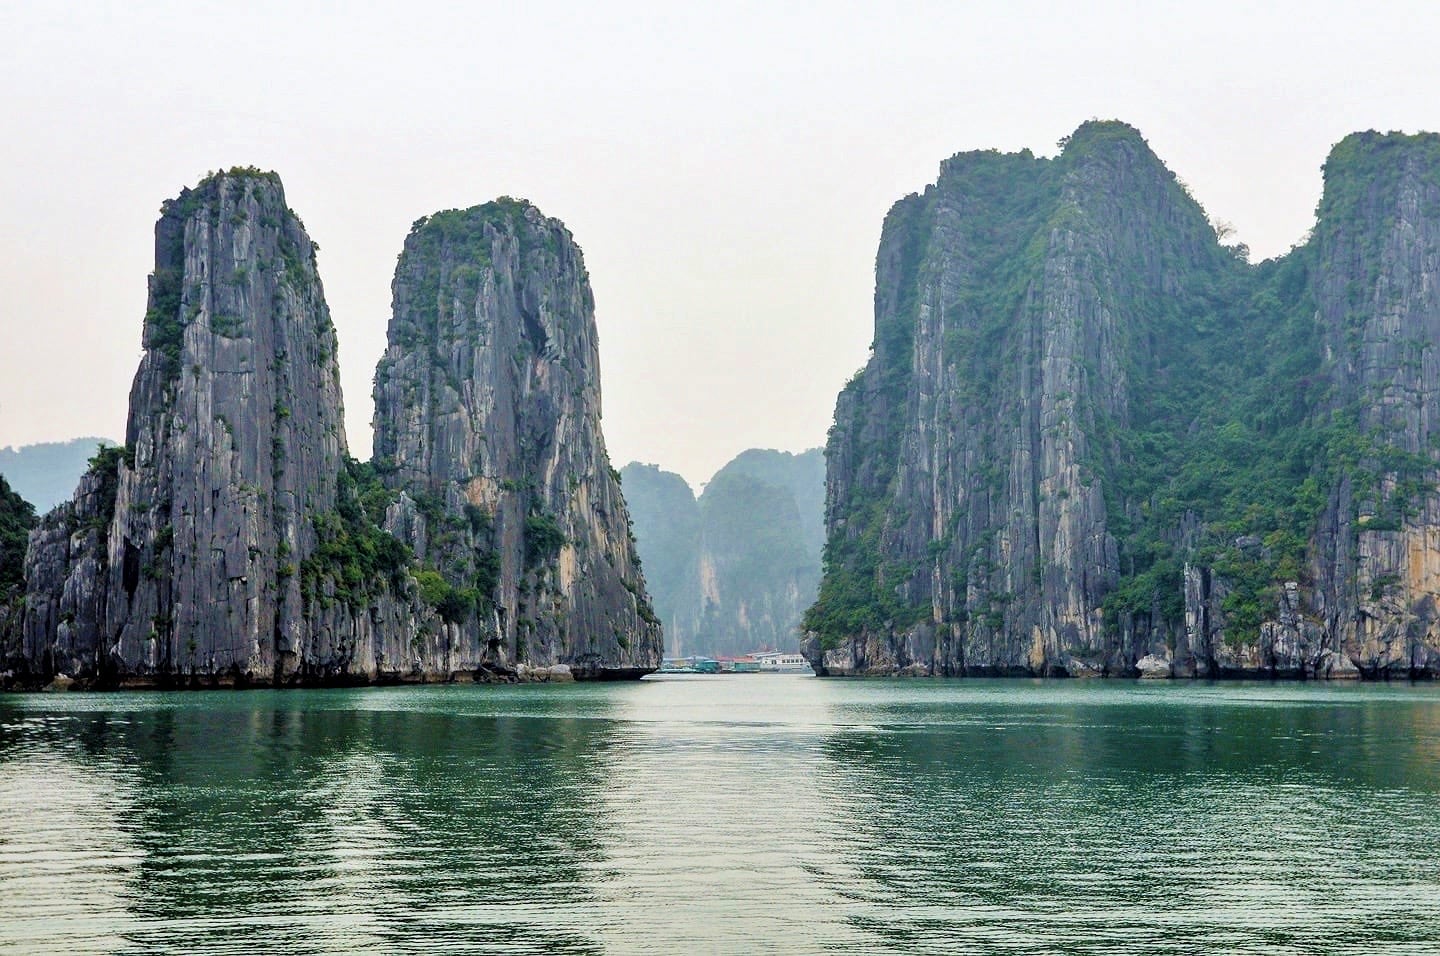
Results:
68 859
728 815
1173 821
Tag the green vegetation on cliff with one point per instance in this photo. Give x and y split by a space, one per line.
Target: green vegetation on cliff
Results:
17 517
1008 201
354 557
1236 421
453 250
1085 392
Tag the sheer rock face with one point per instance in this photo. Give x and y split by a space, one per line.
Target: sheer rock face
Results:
1377 292
1033 317
487 418
233 540
1366 603
178 558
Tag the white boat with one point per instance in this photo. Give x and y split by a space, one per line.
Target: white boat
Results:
783 662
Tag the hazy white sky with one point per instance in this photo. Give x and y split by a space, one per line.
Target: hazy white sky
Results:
724 166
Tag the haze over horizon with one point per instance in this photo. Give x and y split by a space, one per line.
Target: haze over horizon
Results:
725 170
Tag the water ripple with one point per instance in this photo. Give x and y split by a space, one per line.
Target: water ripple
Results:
777 815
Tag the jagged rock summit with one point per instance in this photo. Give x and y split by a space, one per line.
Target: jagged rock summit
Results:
1092 436
232 539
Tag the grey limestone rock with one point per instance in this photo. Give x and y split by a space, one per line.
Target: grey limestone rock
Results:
232 540
176 559
1153 667
487 419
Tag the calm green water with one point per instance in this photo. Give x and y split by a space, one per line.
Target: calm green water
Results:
752 814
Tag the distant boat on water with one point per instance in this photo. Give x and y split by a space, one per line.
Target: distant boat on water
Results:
783 662
689 665
761 662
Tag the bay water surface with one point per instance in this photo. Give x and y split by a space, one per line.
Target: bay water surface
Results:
732 814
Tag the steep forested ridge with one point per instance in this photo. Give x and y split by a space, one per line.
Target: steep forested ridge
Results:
1091 436
667 537
17 517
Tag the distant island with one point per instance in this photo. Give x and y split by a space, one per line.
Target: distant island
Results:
732 571
46 473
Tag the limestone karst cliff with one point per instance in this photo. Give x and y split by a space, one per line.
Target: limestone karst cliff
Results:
1093 440
232 539
733 571
487 419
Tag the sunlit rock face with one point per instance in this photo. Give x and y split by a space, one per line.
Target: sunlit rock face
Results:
487 418
1090 434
